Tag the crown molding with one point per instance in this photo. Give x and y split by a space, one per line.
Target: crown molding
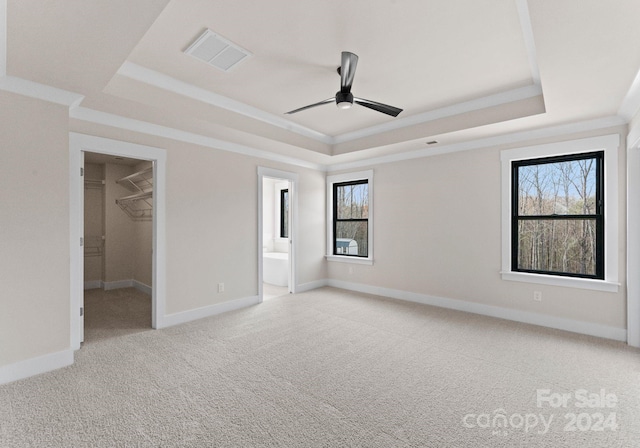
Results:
165 82
444 112
631 102
506 139
144 127
40 91
529 41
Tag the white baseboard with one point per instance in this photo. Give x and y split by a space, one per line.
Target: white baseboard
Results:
142 287
93 284
206 311
118 284
312 285
560 323
35 366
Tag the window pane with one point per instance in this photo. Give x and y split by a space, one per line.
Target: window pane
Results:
564 245
352 201
352 238
562 188
284 214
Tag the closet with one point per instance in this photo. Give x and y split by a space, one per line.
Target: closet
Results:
118 228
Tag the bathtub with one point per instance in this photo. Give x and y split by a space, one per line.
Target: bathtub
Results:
275 268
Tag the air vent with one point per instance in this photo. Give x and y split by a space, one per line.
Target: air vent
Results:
217 51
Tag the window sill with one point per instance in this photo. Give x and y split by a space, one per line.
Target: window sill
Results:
568 282
354 260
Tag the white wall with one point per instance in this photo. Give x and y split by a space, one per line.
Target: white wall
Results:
437 232
119 228
34 229
93 222
143 243
271 240
268 214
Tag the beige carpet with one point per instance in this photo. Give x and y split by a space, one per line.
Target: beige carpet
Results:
326 368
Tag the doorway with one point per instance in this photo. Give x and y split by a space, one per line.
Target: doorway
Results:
118 232
277 230
79 145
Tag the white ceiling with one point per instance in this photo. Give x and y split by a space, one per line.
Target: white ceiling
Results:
460 69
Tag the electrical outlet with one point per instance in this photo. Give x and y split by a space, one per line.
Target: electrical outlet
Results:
537 296
220 287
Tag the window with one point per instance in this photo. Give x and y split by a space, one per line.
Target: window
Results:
284 213
558 215
351 218
349 223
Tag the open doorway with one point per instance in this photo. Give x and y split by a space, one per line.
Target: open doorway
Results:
276 232
118 234
90 240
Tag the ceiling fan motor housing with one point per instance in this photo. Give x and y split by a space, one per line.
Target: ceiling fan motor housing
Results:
344 100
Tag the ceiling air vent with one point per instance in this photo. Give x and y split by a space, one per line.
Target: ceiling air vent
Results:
217 51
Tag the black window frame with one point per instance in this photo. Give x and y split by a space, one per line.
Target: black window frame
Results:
598 216
335 187
284 214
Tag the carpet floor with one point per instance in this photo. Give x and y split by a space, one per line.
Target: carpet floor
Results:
327 368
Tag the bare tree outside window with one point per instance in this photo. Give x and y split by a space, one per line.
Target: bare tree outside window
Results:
558 220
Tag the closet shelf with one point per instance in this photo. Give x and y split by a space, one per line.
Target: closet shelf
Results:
138 182
138 206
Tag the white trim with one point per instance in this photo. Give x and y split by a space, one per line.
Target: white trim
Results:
118 284
304 287
347 177
107 119
555 280
93 284
633 243
293 224
207 311
142 287
3 38
631 102
610 144
543 320
162 81
40 91
78 143
353 260
497 99
529 41
504 139
35 366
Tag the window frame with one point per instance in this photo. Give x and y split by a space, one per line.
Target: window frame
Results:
597 216
609 144
346 179
284 214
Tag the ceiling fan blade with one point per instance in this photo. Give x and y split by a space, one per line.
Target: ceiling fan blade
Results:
347 71
327 101
384 108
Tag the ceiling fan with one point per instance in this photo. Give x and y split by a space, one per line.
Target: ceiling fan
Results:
344 99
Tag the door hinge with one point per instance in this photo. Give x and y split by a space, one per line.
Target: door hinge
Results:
81 311
81 241
81 172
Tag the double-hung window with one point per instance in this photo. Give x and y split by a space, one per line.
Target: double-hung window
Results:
349 223
557 223
560 213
